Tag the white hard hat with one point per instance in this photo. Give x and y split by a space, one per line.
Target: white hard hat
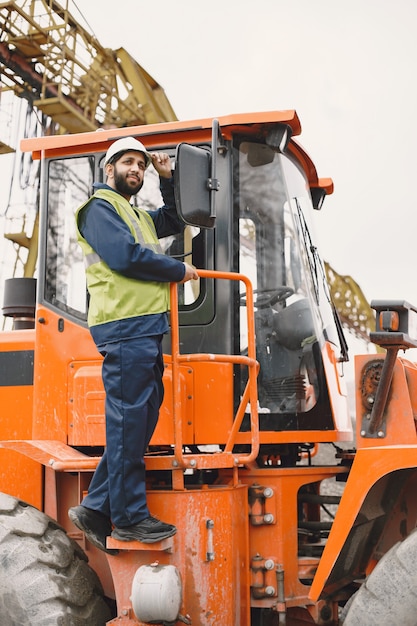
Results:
125 145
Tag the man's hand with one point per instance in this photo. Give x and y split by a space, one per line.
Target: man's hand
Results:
162 164
190 273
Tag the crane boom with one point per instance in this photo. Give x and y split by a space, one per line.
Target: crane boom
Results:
58 66
49 58
353 308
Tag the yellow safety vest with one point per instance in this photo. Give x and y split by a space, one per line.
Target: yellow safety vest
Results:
112 295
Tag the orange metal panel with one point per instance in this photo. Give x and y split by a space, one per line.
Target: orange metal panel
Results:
86 398
210 551
16 405
19 476
207 409
59 342
213 412
16 399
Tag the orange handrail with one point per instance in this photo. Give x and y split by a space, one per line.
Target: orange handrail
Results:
250 394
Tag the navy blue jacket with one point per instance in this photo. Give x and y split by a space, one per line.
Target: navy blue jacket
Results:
110 237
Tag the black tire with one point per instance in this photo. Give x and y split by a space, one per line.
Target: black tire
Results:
388 597
45 579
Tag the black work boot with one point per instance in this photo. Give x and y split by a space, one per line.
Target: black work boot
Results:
148 530
96 526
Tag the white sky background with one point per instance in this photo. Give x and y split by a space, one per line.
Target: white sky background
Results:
347 67
349 70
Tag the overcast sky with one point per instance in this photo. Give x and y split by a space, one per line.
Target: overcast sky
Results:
347 67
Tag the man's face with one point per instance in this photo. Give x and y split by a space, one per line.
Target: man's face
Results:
126 174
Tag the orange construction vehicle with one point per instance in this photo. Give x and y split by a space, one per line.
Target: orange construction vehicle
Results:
270 530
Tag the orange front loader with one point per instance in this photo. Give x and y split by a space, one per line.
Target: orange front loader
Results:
284 515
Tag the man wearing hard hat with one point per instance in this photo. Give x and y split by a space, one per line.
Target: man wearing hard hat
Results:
128 280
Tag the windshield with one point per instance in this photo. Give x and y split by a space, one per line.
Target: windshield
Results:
293 314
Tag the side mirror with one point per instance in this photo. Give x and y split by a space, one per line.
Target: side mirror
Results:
196 182
192 190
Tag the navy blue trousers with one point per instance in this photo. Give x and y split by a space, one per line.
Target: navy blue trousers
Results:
132 377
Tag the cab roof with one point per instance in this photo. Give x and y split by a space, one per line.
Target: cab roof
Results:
172 133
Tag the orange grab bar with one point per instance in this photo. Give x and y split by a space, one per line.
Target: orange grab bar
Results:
250 394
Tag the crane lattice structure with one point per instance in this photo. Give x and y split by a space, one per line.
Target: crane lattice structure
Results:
353 308
71 83
49 58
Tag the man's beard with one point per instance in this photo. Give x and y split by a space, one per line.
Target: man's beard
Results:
123 186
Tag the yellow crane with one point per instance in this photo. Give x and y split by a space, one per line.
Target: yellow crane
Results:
73 83
352 306
49 58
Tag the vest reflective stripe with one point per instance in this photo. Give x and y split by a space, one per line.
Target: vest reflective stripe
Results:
156 247
112 295
91 258
133 218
